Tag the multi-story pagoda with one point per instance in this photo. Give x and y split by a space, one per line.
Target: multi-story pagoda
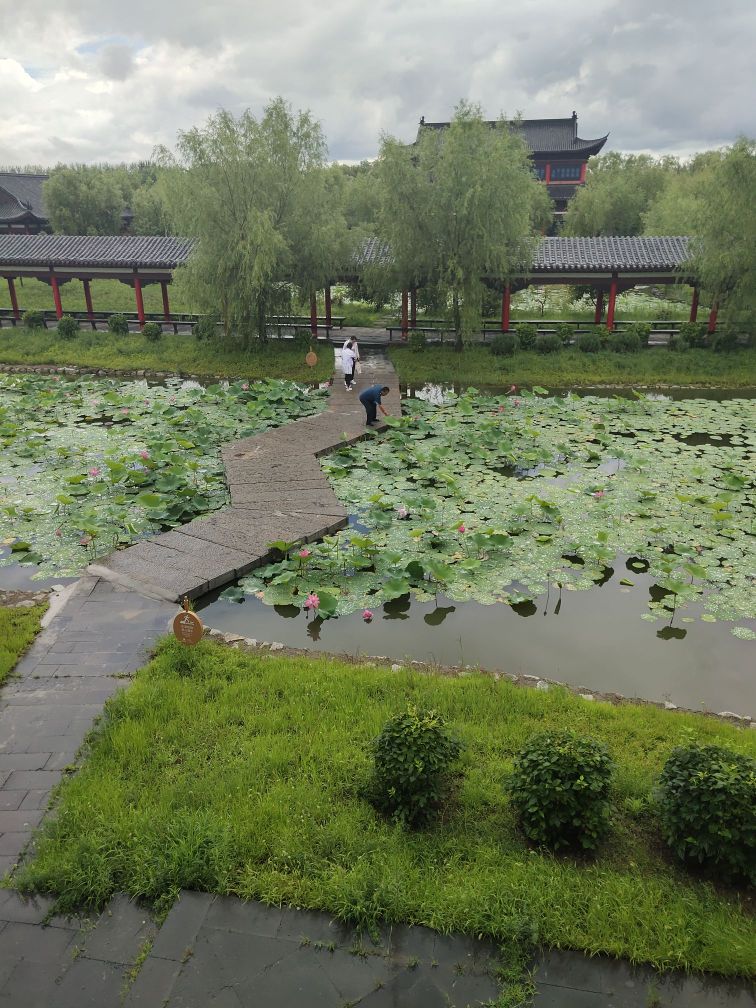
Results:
559 154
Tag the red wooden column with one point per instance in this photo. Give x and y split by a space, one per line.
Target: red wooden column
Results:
413 308
166 306
694 304
506 298
328 306
612 302
713 317
56 295
599 308
139 299
14 302
405 325
88 299
314 315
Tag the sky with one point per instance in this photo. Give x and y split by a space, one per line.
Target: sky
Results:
103 80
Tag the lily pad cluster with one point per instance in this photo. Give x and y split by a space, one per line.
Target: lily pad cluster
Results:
86 465
498 499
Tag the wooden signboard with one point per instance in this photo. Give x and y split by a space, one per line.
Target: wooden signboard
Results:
311 359
187 626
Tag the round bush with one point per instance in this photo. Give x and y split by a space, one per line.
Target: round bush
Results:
589 342
547 343
527 337
505 344
624 342
641 331
68 327
152 331
118 325
724 340
414 756
417 341
695 333
206 327
566 333
559 790
34 320
678 343
707 805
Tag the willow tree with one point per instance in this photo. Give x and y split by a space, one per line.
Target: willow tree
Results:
254 194
457 209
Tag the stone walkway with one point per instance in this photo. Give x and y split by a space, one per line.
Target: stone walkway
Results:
277 489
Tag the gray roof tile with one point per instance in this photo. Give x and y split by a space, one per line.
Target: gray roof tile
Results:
142 251
23 190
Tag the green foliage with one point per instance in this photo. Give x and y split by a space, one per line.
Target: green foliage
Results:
34 320
68 327
152 332
504 345
695 333
207 327
589 342
526 336
624 341
244 777
677 206
118 325
678 343
724 339
560 790
548 343
17 630
417 342
566 333
84 200
413 760
707 804
443 215
642 333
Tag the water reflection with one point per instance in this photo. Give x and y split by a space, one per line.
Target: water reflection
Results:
438 394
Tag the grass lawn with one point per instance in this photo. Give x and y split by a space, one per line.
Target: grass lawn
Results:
18 628
107 295
658 366
243 774
181 353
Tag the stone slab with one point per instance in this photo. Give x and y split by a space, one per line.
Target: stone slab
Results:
231 558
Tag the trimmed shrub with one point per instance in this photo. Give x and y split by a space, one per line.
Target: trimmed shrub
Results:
206 327
560 788
566 333
678 343
34 320
118 325
527 337
152 331
505 344
624 342
724 340
68 327
547 343
642 333
417 341
414 756
695 333
589 342
707 805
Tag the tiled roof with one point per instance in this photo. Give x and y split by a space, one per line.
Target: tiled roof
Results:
142 251
545 136
565 254
20 193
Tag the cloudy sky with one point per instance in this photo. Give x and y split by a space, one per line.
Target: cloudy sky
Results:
104 80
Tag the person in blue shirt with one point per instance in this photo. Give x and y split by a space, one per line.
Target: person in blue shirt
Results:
371 400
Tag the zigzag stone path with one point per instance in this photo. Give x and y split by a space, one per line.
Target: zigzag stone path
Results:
277 490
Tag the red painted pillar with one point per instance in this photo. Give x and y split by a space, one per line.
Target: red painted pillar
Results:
328 306
405 325
547 173
506 298
694 304
314 315
88 299
14 302
713 317
599 308
612 302
139 300
413 307
56 295
166 306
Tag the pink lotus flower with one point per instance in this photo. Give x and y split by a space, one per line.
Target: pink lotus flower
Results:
304 553
94 471
517 402
124 410
461 528
402 511
599 494
56 378
144 454
245 387
367 615
312 601
58 532
501 409
513 388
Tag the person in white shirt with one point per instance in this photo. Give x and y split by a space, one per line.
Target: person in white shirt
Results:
350 354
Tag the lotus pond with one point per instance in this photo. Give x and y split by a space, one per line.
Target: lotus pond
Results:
629 523
88 465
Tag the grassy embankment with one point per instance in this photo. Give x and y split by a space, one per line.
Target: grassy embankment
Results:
658 366
18 628
180 353
234 773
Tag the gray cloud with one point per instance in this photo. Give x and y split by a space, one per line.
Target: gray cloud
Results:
670 78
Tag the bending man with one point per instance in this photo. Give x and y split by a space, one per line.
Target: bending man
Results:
371 400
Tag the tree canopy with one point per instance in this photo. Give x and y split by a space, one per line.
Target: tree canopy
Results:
84 200
457 207
255 194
